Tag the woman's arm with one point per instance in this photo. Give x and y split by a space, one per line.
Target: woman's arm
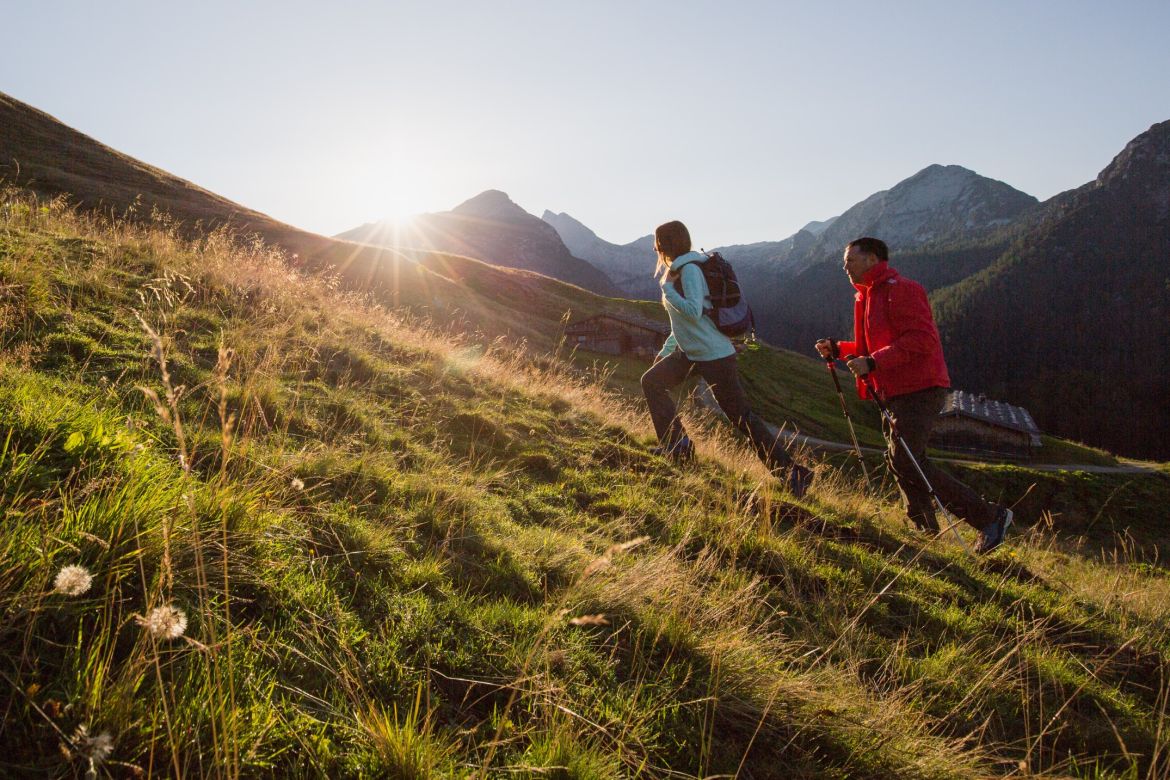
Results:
690 303
670 345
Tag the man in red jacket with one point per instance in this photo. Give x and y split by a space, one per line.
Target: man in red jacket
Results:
896 343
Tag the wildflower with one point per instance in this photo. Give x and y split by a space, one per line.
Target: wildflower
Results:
298 483
73 580
95 747
166 622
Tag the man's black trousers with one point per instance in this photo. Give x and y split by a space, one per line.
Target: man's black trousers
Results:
914 417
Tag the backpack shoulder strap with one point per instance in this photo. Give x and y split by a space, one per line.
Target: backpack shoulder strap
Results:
677 271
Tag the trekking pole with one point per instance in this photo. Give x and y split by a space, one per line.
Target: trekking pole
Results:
829 363
889 418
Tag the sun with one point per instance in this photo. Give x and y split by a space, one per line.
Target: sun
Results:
400 220
399 210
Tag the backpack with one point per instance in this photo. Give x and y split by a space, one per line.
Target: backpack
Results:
730 312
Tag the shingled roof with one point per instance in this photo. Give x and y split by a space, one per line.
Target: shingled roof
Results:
980 407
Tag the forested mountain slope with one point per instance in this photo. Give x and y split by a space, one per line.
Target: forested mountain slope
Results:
1073 321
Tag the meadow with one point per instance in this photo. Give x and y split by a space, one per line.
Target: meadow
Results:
256 525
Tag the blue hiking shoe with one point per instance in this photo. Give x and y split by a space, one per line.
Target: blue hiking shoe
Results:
993 533
679 452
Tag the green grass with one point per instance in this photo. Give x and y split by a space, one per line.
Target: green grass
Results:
420 554
1054 450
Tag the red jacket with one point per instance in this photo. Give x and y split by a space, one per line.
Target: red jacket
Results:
892 323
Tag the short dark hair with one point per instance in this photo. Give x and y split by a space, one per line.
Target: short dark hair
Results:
870 246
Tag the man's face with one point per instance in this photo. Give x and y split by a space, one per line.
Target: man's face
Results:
858 263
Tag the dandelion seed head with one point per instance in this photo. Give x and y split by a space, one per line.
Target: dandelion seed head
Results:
96 747
165 622
298 483
73 580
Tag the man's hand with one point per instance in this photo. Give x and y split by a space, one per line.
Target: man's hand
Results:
825 347
859 366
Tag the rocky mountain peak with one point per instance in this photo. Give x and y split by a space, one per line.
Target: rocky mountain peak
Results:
491 204
1142 169
573 232
937 184
937 200
816 227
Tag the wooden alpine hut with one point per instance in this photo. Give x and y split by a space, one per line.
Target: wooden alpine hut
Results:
617 335
974 423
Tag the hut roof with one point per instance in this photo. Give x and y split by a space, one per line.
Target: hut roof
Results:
961 403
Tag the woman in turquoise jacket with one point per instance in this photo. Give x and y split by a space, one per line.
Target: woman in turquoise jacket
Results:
695 344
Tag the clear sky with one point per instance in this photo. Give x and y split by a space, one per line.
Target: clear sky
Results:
744 119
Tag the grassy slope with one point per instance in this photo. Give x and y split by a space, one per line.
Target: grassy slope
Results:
415 608
54 160
40 152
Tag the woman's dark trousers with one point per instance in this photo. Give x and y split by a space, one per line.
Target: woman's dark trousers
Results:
670 371
914 417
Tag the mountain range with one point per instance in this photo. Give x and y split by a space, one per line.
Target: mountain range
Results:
804 294
489 227
1061 306
630 266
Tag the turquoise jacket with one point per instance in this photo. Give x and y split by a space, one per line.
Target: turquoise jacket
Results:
690 330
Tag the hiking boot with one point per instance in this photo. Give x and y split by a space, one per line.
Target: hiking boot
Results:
993 533
798 480
679 452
